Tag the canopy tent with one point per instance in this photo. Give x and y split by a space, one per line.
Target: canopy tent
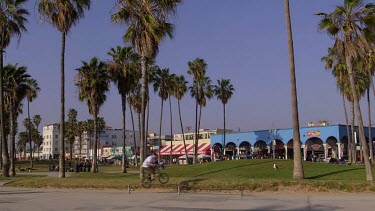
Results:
179 149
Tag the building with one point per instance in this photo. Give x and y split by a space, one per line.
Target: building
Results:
108 138
178 148
51 147
321 141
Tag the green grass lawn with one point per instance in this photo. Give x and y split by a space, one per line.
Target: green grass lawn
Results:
251 175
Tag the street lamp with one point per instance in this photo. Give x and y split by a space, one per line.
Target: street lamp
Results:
272 131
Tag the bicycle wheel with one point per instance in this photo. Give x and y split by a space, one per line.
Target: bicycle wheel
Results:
163 178
146 182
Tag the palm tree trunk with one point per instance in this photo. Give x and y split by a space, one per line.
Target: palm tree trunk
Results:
62 111
369 176
369 126
161 121
123 101
135 145
4 145
298 167
347 128
196 128
95 161
143 109
12 142
353 145
183 135
199 126
170 111
134 140
71 153
80 146
224 128
148 116
29 132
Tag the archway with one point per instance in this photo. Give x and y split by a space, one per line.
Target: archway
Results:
260 149
245 150
230 151
332 148
314 149
278 145
290 150
216 151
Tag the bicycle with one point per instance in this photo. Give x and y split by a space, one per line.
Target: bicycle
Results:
162 177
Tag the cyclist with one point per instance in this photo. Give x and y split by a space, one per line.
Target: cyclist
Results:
149 165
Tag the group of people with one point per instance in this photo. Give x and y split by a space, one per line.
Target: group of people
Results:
79 166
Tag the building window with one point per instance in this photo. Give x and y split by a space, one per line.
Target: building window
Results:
55 149
56 136
113 136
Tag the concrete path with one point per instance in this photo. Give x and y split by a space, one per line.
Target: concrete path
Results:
53 199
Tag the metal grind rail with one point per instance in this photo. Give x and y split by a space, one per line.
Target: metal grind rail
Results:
180 188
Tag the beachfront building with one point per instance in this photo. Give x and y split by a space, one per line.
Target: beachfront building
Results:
177 148
110 141
319 141
51 147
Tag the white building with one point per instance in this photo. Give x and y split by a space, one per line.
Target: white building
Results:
107 138
51 147
204 136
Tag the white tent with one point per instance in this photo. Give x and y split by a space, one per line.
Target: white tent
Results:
183 157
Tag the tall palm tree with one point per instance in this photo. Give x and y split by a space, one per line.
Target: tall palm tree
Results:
31 94
62 14
21 143
224 91
71 131
171 89
92 81
205 92
197 68
123 61
36 120
147 23
350 25
12 16
15 87
180 90
161 86
298 167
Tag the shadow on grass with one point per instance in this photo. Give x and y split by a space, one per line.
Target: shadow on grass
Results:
189 184
332 173
235 167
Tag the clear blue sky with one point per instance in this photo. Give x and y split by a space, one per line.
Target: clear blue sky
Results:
243 40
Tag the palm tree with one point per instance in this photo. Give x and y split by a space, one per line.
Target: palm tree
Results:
31 93
224 91
180 88
298 167
205 92
27 123
171 89
148 24
335 63
89 127
161 86
350 25
123 60
197 68
71 131
21 144
62 14
13 20
36 120
92 81
15 87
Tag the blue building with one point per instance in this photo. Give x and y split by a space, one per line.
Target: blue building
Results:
327 141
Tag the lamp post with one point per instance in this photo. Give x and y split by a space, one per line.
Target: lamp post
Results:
272 131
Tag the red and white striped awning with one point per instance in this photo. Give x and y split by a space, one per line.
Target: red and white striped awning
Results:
180 149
